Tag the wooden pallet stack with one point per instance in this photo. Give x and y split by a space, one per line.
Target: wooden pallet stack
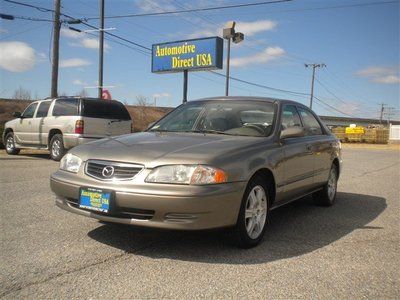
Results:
376 135
340 133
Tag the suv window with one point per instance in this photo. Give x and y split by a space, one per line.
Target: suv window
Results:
311 124
43 109
105 109
66 107
290 117
29 111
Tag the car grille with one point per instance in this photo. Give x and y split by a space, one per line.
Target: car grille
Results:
110 170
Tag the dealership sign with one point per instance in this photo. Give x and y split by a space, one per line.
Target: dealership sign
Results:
191 55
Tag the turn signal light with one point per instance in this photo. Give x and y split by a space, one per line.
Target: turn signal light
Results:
79 127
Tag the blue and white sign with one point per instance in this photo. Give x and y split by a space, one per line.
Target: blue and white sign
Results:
192 55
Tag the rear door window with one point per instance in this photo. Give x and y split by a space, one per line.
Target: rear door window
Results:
290 117
66 107
105 109
311 124
43 109
29 111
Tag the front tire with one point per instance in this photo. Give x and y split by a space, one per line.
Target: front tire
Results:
253 215
327 196
57 150
10 144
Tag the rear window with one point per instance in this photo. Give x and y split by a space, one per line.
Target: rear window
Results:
66 107
105 109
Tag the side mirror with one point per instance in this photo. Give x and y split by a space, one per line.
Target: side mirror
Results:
150 125
17 114
292 132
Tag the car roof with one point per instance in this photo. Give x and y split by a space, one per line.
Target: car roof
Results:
248 98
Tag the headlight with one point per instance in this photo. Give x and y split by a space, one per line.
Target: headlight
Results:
187 174
70 163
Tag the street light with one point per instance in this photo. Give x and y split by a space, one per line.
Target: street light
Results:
229 34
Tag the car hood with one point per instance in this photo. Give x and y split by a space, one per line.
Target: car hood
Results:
156 148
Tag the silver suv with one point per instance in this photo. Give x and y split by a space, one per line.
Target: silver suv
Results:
62 123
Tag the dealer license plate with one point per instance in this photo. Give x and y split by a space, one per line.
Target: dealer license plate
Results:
95 199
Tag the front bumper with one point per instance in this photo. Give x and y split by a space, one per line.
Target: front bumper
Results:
158 205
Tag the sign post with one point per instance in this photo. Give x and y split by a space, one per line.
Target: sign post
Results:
188 55
185 85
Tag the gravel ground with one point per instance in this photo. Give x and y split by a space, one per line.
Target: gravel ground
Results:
350 250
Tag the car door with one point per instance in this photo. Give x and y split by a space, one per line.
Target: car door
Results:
298 163
320 143
23 129
40 132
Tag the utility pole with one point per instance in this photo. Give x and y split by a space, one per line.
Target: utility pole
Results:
228 58
229 34
382 109
55 50
314 66
101 48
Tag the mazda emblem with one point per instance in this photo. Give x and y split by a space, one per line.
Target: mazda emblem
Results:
108 171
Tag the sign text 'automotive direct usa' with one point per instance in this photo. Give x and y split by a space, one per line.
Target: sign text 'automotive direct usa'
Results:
198 54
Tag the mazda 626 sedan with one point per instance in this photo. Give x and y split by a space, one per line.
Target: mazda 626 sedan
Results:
210 163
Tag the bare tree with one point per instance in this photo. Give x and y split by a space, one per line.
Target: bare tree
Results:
22 94
142 101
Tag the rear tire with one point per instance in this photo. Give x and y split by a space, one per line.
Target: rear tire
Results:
57 150
327 196
10 144
253 215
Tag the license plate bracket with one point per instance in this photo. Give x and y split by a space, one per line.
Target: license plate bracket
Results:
95 199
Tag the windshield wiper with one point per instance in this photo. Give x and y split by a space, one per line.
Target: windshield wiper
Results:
204 131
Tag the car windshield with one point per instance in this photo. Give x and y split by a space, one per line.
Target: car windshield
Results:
244 118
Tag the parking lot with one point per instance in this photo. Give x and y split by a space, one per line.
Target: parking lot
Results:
349 250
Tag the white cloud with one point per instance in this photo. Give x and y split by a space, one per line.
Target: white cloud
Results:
388 79
79 82
251 28
270 53
71 34
16 56
81 40
74 62
248 28
162 95
381 74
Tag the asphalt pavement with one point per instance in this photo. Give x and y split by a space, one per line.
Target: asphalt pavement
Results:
350 250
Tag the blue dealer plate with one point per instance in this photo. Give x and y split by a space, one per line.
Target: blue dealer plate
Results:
95 199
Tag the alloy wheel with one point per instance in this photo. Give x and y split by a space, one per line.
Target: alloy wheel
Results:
55 148
256 211
332 184
10 143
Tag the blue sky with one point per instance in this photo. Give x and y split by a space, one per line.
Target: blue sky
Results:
359 45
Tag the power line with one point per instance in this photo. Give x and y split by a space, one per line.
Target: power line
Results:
192 10
42 9
12 17
326 89
321 8
334 108
260 85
